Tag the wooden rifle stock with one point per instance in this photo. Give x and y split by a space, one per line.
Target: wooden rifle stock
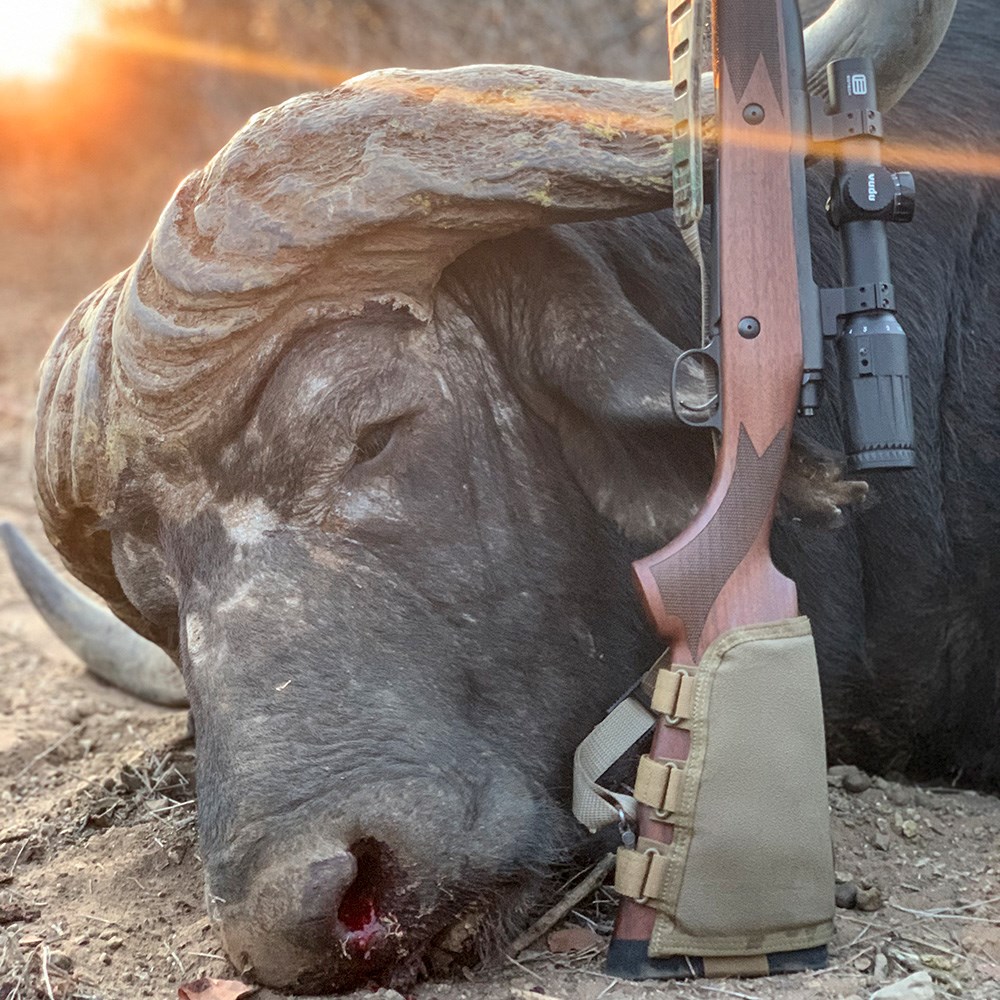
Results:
717 575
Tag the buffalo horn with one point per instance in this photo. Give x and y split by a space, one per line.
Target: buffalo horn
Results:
109 648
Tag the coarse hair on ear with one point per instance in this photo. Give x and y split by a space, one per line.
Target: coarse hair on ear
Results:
587 330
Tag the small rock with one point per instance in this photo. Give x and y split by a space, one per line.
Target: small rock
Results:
841 877
61 961
881 841
855 781
79 711
909 829
104 958
869 899
880 968
114 943
846 895
901 795
915 987
387 994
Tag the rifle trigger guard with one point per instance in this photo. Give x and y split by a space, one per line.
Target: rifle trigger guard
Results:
712 419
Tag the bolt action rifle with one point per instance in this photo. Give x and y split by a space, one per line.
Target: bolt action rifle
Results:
731 873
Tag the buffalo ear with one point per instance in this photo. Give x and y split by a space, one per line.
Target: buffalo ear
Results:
586 331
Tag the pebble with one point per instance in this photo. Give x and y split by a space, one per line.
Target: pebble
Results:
901 795
880 968
869 899
79 711
881 841
856 781
916 987
61 961
846 895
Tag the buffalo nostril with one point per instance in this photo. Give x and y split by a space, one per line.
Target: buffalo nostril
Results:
362 912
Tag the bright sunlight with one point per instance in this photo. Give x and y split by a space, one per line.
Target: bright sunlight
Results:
36 34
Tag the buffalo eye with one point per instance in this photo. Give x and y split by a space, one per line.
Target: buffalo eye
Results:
372 441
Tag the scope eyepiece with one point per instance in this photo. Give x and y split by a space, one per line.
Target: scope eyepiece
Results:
875 376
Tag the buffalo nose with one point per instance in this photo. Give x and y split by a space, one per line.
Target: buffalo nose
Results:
317 923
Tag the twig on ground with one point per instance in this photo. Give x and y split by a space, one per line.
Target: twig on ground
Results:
869 924
607 989
966 906
552 916
934 947
524 968
173 954
934 915
864 930
13 867
45 972
864 951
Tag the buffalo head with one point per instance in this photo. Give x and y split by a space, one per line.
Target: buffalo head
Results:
362 441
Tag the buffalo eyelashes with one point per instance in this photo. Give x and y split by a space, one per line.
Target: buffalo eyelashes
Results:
372 441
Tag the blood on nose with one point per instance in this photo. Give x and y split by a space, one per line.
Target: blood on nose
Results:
362 914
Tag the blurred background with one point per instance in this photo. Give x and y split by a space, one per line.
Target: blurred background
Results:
105 105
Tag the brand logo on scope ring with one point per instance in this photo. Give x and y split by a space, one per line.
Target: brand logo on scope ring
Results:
857 85
872 189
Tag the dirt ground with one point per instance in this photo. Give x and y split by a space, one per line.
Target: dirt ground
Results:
100 886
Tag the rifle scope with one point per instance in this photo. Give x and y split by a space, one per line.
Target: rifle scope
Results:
874 367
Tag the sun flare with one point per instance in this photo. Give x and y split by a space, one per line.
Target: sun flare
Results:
36 34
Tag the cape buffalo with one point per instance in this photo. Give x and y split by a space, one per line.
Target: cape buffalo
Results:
368 435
